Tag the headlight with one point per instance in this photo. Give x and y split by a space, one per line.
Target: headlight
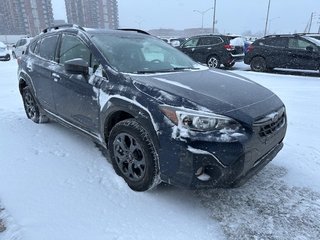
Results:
199 121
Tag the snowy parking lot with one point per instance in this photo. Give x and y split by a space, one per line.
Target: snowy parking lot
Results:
55 184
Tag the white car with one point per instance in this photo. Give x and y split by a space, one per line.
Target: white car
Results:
4 52
20 47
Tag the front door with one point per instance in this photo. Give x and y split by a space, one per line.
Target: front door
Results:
303 54
76 99
189 48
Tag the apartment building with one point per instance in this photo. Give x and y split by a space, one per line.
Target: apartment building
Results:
93 13
26 17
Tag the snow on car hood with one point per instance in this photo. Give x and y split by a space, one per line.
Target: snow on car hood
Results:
218 91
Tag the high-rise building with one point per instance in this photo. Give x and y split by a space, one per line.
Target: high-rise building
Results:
93 13
26 17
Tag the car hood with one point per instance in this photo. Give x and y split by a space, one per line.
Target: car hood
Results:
212 90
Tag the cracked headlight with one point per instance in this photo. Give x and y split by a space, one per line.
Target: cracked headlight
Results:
198 120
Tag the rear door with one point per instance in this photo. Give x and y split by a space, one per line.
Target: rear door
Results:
76 100
275 50
39 66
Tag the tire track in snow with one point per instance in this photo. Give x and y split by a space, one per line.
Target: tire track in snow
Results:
265 208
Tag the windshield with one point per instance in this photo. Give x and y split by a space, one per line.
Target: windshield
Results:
141 54
313 40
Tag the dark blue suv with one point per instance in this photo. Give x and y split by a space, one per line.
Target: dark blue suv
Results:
160 116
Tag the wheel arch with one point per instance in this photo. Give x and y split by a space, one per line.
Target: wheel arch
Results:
119 110
22 84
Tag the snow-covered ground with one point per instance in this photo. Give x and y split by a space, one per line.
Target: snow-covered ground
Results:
55 184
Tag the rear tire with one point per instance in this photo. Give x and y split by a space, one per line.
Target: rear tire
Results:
258 64
213 62
133 154
31 107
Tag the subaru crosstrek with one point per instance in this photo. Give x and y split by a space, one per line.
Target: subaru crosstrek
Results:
160 116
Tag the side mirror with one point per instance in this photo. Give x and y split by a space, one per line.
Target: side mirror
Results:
175 43
309 48
77 66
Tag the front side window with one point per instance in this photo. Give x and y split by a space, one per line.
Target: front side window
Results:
23 42
191 43
47 47
71 48
299 44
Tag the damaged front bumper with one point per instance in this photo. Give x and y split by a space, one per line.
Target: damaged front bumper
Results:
195 163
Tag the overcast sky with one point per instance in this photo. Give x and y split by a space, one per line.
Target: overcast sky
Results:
233 16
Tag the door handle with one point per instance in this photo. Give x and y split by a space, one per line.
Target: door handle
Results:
29 67
56 77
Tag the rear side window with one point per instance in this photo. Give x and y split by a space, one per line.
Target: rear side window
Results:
281 42
47 47
205 41
32 46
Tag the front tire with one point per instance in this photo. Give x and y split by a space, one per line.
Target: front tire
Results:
133 154
31 107
258 64
213 62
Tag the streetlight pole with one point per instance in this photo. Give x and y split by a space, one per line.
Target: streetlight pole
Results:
267 20
202 14
214 15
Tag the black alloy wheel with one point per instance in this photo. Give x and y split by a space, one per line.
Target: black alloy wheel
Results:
258 64
213 62
133 154
30 105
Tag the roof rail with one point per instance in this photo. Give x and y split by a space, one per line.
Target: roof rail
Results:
56 27
134 30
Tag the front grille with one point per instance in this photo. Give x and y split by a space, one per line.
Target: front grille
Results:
270 124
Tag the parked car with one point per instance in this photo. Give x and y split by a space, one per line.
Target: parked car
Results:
293 51
213 50
161 116
4 52
20 47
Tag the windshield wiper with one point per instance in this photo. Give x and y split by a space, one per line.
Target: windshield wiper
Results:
185 68
175 69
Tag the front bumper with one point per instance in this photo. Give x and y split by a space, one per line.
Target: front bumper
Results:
206 164
5 57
